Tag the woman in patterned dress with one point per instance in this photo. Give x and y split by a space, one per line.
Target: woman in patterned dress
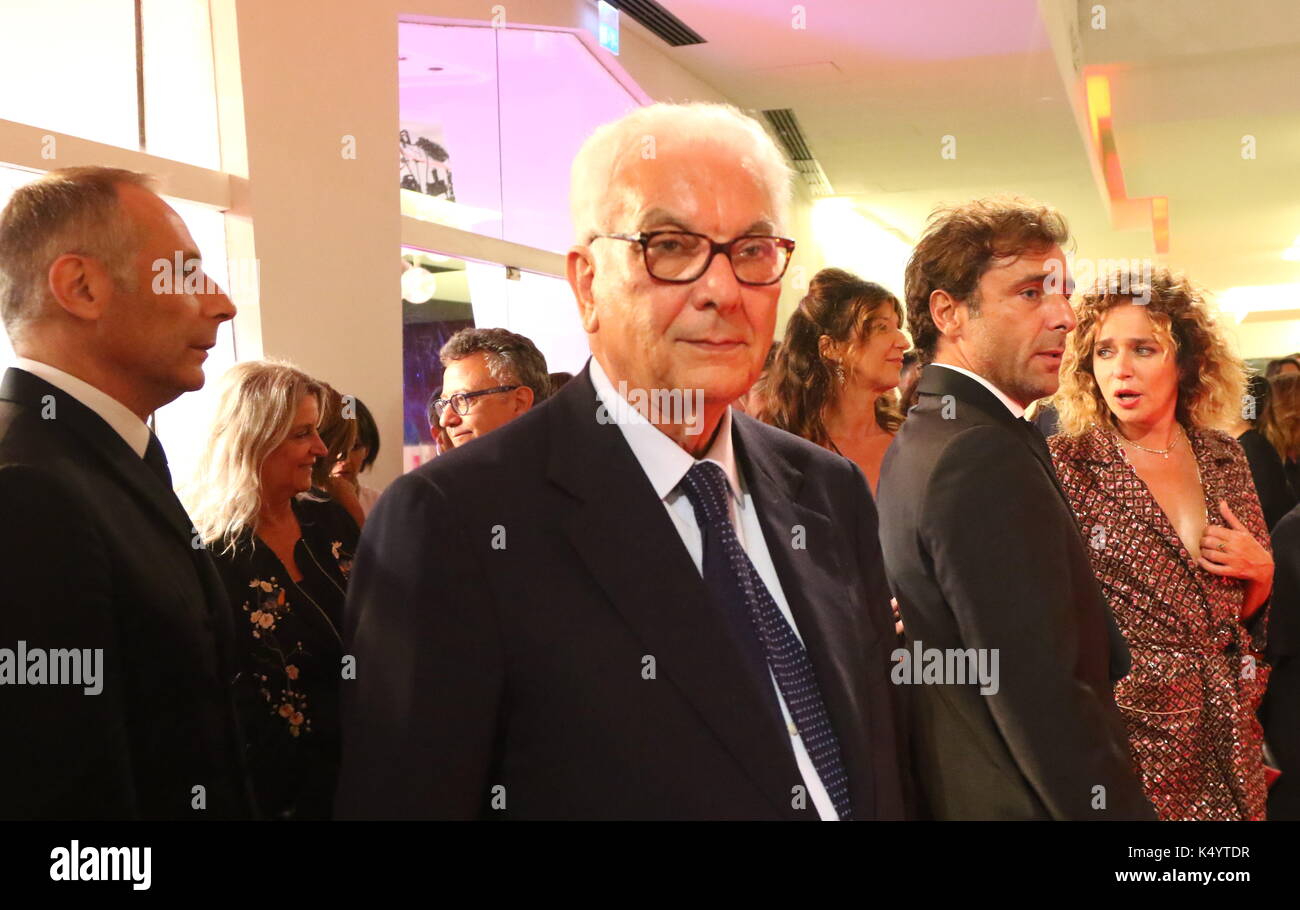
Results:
285 559
1178 540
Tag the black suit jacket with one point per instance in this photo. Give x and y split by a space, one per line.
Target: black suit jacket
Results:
95 552
533 639
984 552
1280 712
1266 470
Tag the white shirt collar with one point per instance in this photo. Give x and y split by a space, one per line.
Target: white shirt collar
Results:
665 462
122 419
1014 408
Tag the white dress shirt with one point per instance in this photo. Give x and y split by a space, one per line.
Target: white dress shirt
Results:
122 419
1014 408
665 464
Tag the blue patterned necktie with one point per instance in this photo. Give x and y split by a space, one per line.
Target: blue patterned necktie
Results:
705 485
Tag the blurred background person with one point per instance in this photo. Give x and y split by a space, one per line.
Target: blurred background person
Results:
360 458
1266 470
337 429
284 559
1282 366
490 377
1178 540
1281 425
751 402
558 380
1280 711
832 382
907 380
441 441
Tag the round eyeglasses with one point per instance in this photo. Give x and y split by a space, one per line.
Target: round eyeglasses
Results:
460 401
680 257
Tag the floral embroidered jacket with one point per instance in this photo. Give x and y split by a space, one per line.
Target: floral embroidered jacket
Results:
289 640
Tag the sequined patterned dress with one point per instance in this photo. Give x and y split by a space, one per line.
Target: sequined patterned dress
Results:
1198 673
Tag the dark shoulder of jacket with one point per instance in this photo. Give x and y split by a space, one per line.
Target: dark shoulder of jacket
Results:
56 460
25 480
1286 533
26 438
503 456
801 454
985 437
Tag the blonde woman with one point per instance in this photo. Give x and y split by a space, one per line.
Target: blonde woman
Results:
1178 540
285 560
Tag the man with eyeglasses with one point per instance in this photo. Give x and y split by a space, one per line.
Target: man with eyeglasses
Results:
490 377
633 602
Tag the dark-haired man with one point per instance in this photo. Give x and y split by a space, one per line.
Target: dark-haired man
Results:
982 548
490 377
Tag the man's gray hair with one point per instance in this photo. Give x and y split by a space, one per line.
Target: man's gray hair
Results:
71 210
645 131
511 359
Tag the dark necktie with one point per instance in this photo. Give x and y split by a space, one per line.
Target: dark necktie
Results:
156 459
740 587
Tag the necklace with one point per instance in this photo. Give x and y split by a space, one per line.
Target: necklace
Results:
1163 453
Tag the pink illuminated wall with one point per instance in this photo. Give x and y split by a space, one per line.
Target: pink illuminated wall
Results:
511 106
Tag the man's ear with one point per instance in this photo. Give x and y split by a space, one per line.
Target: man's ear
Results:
523 399
948 313
80 285
581 270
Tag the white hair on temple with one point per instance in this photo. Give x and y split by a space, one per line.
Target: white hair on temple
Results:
651 128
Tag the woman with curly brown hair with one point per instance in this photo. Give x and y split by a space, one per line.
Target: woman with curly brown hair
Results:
833 379
1178 540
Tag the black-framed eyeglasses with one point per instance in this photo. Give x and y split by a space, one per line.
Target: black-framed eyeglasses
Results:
460 401
680 257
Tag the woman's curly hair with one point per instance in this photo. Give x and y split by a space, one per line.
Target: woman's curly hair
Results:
800 385
1211 378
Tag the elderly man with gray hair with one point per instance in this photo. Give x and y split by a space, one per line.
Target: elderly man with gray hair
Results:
633 601
490 377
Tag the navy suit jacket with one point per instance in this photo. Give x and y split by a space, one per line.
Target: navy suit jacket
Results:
533 639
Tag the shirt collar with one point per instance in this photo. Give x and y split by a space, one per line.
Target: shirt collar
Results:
664 462
117 415
1014 408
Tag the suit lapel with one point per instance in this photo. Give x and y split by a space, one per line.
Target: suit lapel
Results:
940 381
100 440
811 580
623 535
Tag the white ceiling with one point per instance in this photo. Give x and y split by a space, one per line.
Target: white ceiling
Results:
877 84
